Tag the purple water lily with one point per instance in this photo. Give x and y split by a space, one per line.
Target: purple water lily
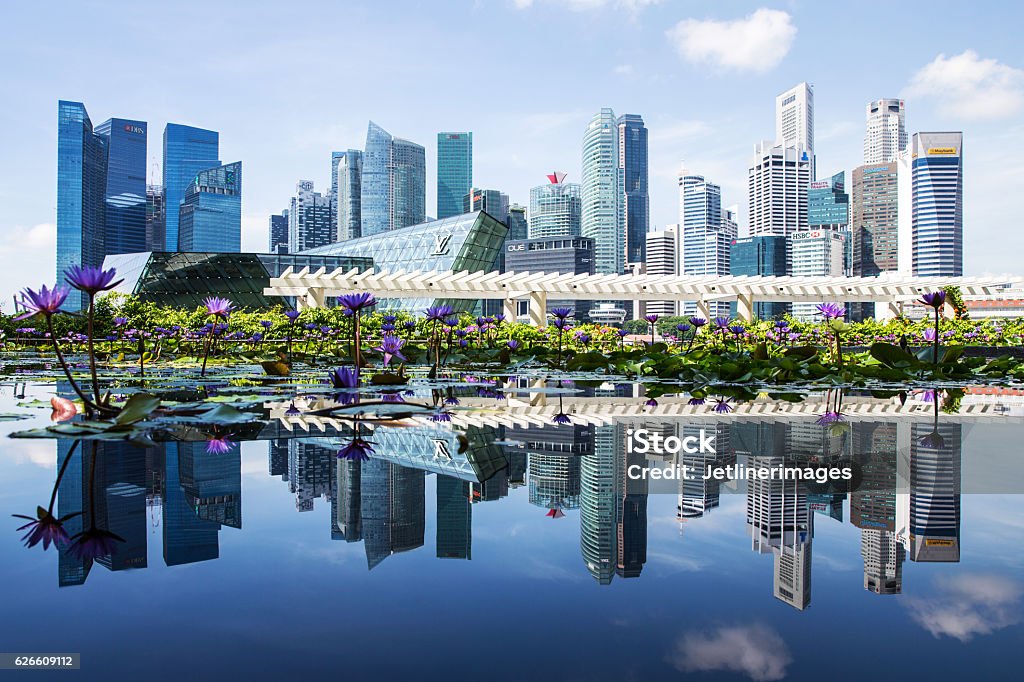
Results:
935 299
219 445
438 313
651 318
698 322
512 344
830 418
46 302
120 321
343 377
562 419
94 543
91 279
831 311
357 450
218 307
357 302
561 312
390 347
929 334
44 528
292 315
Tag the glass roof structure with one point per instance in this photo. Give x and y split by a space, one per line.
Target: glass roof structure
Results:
185 279
469 242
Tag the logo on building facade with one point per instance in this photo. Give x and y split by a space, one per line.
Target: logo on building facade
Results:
135 130
441 243
441 450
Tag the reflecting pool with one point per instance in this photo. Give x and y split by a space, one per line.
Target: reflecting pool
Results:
510 539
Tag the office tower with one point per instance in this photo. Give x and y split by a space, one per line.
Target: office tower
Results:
937 162
72 497
279 233
828 208
309 219
816 253
564 255
663 251
348 176
156 236
706 236
210 215
493 201
187 151
883 559
454 172
348 514
764 256
518 225
601 217
125 196
454 539
393 188
212 482
886 133
555 208
794 120
81 190
392 509
635 201
187 538
277 457
875 224
777 183
598 532
335 157
553 479
311 473
630 511
120 504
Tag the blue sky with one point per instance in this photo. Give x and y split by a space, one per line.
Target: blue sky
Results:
285 84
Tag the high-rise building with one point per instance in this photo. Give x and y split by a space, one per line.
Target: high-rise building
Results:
816 253
125 196
886 133
210 215
564 255
454 172
598 536
156 236
393 190
279 233
938 204
309 219
81 190
187 150
518 225
555 208
493 201
348 178
454 527
777 183
932 508
602 218
663 250
763 256
828 208
706 236
794 120
635 201
874 219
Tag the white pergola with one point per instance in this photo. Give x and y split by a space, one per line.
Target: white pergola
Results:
312 288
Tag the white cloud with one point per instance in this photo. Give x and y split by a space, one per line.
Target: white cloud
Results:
623 70
755 650
42 236
970 87
586 5
757 42
968 605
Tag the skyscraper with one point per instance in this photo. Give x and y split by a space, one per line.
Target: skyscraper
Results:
601 218
555 208
309 219
760 256
454 526
495 202
279 233
155 217
874 219
348 172
518 225
886 132
393 189
81 190
938 204
663 251
816 253
125 196
777 183
454 172
187 151
706 236
210 215
635 201
794 120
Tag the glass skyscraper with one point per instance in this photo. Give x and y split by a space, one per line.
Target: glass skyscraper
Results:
555 209
763 255
347 173
81 191
635 201
309 219
187 151
454 172
210 216
125 195
155 237
393 192
279 233
706 234
938 204
601 217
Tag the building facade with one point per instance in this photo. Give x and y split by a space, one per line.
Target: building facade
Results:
155 216
794 120
663 251
493 201
601 216
777 182
393 188
279 233
874 219
635 201
210 216
938 191
762 256
556 208
309 219
124 210
454 172
885 135
564 255
348 176
816 253
187 150
706 236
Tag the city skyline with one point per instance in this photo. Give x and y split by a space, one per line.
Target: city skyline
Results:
952 82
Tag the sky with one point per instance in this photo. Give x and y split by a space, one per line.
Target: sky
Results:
286 84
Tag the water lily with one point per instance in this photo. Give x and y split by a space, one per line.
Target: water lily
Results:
512 344
830 418
357 302
44 302
94 543
831 311
63 409
44 528
343 377
219 445
219 308
561 312
91 279
438 313
390 347
934 299
357 450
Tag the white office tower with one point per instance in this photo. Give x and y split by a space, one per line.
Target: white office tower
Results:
663 247
886 133
816 253
938 204
777 183
310 219
794 119
602 217
791 580
883 561
707 234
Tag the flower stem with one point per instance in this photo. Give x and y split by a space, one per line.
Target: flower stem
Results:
92 354
64 365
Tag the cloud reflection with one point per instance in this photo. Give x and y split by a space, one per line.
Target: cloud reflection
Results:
968 605
754 650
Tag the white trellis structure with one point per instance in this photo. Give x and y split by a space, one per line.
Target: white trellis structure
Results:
312 288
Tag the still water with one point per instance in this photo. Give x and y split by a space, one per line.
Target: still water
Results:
504 546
